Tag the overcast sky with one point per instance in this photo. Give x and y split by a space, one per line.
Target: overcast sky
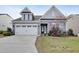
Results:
14 10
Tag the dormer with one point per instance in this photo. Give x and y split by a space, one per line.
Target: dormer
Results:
27 15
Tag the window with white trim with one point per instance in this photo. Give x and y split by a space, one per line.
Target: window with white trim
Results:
34 25
23 25
17 25
28 25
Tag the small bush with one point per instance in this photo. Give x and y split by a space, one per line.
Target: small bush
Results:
9 29
1 32
55 31
70 32
6 33
50 33
63 34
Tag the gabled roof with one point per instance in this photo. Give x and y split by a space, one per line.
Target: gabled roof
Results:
72 15
6 15
37 17
18 19
25 10
53 13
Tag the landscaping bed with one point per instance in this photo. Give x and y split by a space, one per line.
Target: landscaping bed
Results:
6 33
49 44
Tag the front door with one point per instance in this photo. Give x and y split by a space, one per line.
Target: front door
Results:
43 28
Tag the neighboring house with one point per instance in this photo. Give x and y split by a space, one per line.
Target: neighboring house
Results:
5 22
73 23
29 24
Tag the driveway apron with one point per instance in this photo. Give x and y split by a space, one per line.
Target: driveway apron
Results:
18 44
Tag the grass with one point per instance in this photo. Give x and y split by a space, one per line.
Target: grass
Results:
1 36
48 44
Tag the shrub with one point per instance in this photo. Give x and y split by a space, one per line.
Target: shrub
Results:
6 33
55 31
70 32
63 34
9 29
50 33
1 32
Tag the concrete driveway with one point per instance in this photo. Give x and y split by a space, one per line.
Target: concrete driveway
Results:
18 44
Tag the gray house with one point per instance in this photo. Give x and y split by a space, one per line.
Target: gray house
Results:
30 24
5 22
73 23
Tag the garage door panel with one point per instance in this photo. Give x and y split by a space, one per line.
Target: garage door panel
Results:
19 30
32 31
26 30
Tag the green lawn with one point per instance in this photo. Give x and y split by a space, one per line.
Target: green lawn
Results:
1 36
48 44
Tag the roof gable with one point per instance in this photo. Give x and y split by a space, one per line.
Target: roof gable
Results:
53 13
25 10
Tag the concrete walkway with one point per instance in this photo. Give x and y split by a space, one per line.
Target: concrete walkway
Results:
18 44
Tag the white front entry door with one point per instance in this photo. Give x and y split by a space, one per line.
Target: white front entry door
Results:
26 29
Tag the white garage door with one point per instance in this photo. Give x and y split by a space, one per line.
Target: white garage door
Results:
28 29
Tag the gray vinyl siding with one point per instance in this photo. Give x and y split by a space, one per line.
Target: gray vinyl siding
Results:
73 23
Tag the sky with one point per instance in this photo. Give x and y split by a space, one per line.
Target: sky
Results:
14 10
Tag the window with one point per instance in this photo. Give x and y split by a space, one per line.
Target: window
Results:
17 25
30 16
62 26
34 26
23 25
29 26
26 16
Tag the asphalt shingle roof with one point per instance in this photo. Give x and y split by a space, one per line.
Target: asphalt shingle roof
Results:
53 13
